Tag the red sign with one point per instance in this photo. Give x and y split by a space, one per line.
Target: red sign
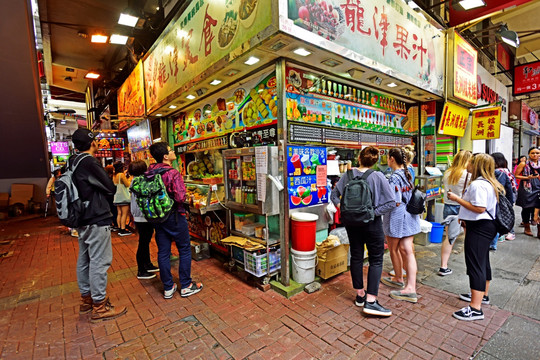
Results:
503 57
527 78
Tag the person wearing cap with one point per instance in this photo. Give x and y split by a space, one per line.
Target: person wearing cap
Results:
95 247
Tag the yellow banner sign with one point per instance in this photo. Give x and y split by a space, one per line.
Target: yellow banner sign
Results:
131 95
486 124
205 33
454 120
465 70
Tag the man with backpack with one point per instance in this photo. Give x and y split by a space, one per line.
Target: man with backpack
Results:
169 218
92 218
362 196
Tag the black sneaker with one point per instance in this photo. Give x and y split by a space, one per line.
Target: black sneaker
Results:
151 268
467 297
145 275
124 232
375 308
469 314
115 229
360 300
444 272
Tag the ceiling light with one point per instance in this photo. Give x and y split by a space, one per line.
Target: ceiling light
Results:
302 52
392 84
215 82
128 20
232 72
408 92
172 107
190 97
91 75
355 73
331 62
471 4
375 80
201 91
159 114
252 60
118 39
99 39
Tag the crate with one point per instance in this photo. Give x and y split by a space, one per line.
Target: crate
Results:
257 264
238 253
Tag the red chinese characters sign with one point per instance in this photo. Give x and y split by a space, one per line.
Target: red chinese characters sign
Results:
206 32
465 70
453 120
527 78
131 95
486 124
380 34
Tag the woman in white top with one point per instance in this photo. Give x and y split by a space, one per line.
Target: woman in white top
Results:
477 211
122 198
455 180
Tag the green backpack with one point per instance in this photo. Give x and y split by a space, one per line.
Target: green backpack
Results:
152 197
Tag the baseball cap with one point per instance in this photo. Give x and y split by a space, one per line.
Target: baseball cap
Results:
82 138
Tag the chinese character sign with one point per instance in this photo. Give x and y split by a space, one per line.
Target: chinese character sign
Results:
465 70
527 78
206 32
486 124
380 34
304 165
453 120
131 95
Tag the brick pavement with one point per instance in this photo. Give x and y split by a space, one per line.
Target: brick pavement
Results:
229 319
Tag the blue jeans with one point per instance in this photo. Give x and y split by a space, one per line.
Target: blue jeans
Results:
450 210
95 257
175 228
493 243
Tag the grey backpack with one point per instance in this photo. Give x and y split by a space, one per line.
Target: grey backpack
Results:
69 206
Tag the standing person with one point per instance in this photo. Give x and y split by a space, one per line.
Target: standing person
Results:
175 228
455 180
477 211
529 188
95 248
122 199
144 228
521 159
505 178
370 234
110 172
49 190
400 226
409 156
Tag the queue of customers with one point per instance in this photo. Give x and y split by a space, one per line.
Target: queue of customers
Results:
473 185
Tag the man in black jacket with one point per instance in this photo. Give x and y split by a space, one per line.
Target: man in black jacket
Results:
95 248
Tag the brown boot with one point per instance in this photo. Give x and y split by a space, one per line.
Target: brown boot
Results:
528 229
105 311
86 304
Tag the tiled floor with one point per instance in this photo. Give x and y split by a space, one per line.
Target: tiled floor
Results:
229 319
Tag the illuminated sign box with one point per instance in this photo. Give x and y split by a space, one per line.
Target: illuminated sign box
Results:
453 120
60 148
527 78
486 124
464 74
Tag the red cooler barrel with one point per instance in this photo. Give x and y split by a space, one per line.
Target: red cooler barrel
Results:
303 229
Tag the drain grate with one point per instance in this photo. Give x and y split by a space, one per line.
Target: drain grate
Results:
185 338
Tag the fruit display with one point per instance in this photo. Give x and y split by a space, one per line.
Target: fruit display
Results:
262 104
321 17
197 169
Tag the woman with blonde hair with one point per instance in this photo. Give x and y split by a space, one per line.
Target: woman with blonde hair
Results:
477 212
122 198
455 180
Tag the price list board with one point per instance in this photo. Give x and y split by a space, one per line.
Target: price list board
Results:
340 137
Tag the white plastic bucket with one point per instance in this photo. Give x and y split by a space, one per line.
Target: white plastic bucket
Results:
303 266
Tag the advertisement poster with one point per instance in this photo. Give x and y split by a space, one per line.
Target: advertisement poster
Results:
60 148
486 124
131 95
465 70
206 32
453 120
307 101
139 136
303 163
250 106
527 78
385 35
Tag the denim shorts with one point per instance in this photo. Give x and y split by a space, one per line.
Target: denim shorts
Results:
450 210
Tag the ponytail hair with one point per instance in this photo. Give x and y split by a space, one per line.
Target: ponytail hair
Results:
400 157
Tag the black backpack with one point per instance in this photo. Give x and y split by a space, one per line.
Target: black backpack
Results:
356 205
416 204
505 217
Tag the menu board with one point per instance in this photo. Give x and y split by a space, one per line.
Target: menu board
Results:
131 95
250 106
108 144
303 163
139 136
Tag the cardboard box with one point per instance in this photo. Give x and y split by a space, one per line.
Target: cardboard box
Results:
200 250
4 200
22 191
335 263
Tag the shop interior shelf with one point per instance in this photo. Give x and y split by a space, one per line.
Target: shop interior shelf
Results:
273 239
244 207
204 210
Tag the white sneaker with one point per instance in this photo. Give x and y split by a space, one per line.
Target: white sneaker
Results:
168 294
393 273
